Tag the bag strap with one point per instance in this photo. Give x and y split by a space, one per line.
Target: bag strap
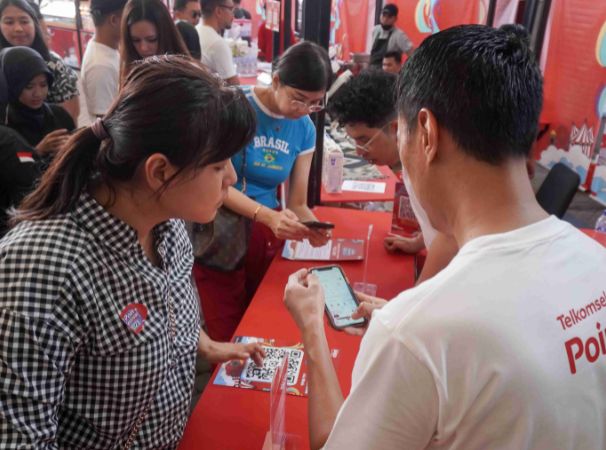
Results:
172 330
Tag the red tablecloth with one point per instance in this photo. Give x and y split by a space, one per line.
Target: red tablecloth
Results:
598 236
236 419
349 196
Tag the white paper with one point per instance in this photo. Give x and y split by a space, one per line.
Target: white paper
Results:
372 187
304 250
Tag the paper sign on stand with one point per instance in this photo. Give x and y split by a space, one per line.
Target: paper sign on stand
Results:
370 187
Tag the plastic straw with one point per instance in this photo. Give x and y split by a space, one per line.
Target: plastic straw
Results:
370 227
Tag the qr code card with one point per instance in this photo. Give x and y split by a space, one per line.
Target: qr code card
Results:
273 358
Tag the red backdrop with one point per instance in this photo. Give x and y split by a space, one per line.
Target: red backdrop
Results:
575 89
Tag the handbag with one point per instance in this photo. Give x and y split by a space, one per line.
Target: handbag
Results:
223 243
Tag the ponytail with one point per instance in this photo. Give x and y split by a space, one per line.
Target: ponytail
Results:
61 185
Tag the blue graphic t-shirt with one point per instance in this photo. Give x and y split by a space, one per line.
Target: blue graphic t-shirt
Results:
272 153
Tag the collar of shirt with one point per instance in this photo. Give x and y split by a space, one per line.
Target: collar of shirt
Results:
112 232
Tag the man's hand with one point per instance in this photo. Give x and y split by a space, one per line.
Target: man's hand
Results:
304 299
219 352
410 245
367 305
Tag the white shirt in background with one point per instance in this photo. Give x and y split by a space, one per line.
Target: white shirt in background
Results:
216 54
100 77
503 349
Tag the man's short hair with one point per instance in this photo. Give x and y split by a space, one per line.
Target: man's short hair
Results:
390 10
180 5
100 9
482 84
209 6
395 54
367 99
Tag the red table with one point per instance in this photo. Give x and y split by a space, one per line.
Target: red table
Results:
237 419
349 196
598 236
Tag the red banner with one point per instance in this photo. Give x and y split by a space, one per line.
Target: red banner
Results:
349 26
420 18
575 90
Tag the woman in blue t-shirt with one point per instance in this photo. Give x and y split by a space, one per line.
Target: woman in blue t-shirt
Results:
281 151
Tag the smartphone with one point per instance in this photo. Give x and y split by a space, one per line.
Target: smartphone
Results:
319 225
339 297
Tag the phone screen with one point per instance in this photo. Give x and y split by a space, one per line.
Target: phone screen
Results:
340 302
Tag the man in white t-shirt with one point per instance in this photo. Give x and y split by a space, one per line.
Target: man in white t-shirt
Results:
101 62
505 347
217 16
365 106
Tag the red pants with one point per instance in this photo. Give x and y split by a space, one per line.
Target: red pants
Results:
224 296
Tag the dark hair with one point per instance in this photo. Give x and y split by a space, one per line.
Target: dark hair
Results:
368 99
395 54
482 84
208 6
100 10
39 45
168 104
390 10
156 12
305 66
181 4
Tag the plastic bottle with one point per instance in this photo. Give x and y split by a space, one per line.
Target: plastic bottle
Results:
600 224
333 166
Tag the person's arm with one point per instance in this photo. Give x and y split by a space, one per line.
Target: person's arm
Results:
443 248
296 200
233 81
305 301
402 43
221 56
218 352
72 106
37 355
285 224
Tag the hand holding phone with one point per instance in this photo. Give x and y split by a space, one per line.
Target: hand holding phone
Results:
339 298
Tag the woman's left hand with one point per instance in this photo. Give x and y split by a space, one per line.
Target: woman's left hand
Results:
219 352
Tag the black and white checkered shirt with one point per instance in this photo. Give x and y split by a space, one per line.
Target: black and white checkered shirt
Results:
73 374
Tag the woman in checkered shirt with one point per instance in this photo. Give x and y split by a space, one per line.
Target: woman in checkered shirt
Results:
100 325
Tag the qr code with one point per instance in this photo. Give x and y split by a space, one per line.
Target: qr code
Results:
273 358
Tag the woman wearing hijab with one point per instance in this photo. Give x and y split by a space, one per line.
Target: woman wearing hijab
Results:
20 26
28 79
20 166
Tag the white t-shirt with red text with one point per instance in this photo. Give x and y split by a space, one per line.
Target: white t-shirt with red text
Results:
503 349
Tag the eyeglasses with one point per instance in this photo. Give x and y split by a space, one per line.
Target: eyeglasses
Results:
365 148
313 107
196 14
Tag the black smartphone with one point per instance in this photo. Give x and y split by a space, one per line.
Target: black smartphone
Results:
339 297
319 225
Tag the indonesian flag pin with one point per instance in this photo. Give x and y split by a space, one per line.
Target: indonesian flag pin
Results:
134 316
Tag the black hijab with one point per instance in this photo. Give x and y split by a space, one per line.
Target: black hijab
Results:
18 66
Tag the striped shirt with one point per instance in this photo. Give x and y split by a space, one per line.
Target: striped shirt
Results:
85 344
